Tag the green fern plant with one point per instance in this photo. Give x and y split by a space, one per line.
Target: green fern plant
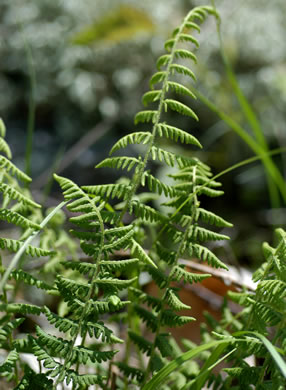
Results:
97 291
97 273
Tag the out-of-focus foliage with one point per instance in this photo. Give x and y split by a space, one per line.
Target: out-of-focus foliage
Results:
123 23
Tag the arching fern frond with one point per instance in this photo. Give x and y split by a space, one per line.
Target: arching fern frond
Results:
163 61
151 97
9 167
197 233
186 54
180 89
120 162
14 194
169 318
15 245
8 364
171 158
108 190
205 254
146 116
5 148
180 108
9 327
133 138
17 219
174 133
174 302
146 213
212 218
178 273
130 372
138 251
19 274
156 185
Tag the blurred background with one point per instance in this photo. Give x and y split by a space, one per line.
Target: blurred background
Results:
75 72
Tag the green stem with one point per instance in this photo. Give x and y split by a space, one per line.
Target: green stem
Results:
32 105
248 113
270 167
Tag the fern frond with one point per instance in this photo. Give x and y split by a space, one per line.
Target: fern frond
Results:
79 353
174 133
169 257
120 242
74 288
171 319
205 254
144 345
118 265
21 308
180 108
111 305
130 372
11 168
146 116
87 218
108 190
5 148
209 192
188 25
181 69
133 138
2 128
158 276
171 158
146 316
163 344
14 194
151 97
119 162
212 218
185 54
8 328
275 290
17 219
156 185
180 89
19 274
97 330
151 301
178 272
8 365
146 213
84 379
188 38
15 245
138 251
202 234
163 61
157 77
174 301
111 217
112 283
